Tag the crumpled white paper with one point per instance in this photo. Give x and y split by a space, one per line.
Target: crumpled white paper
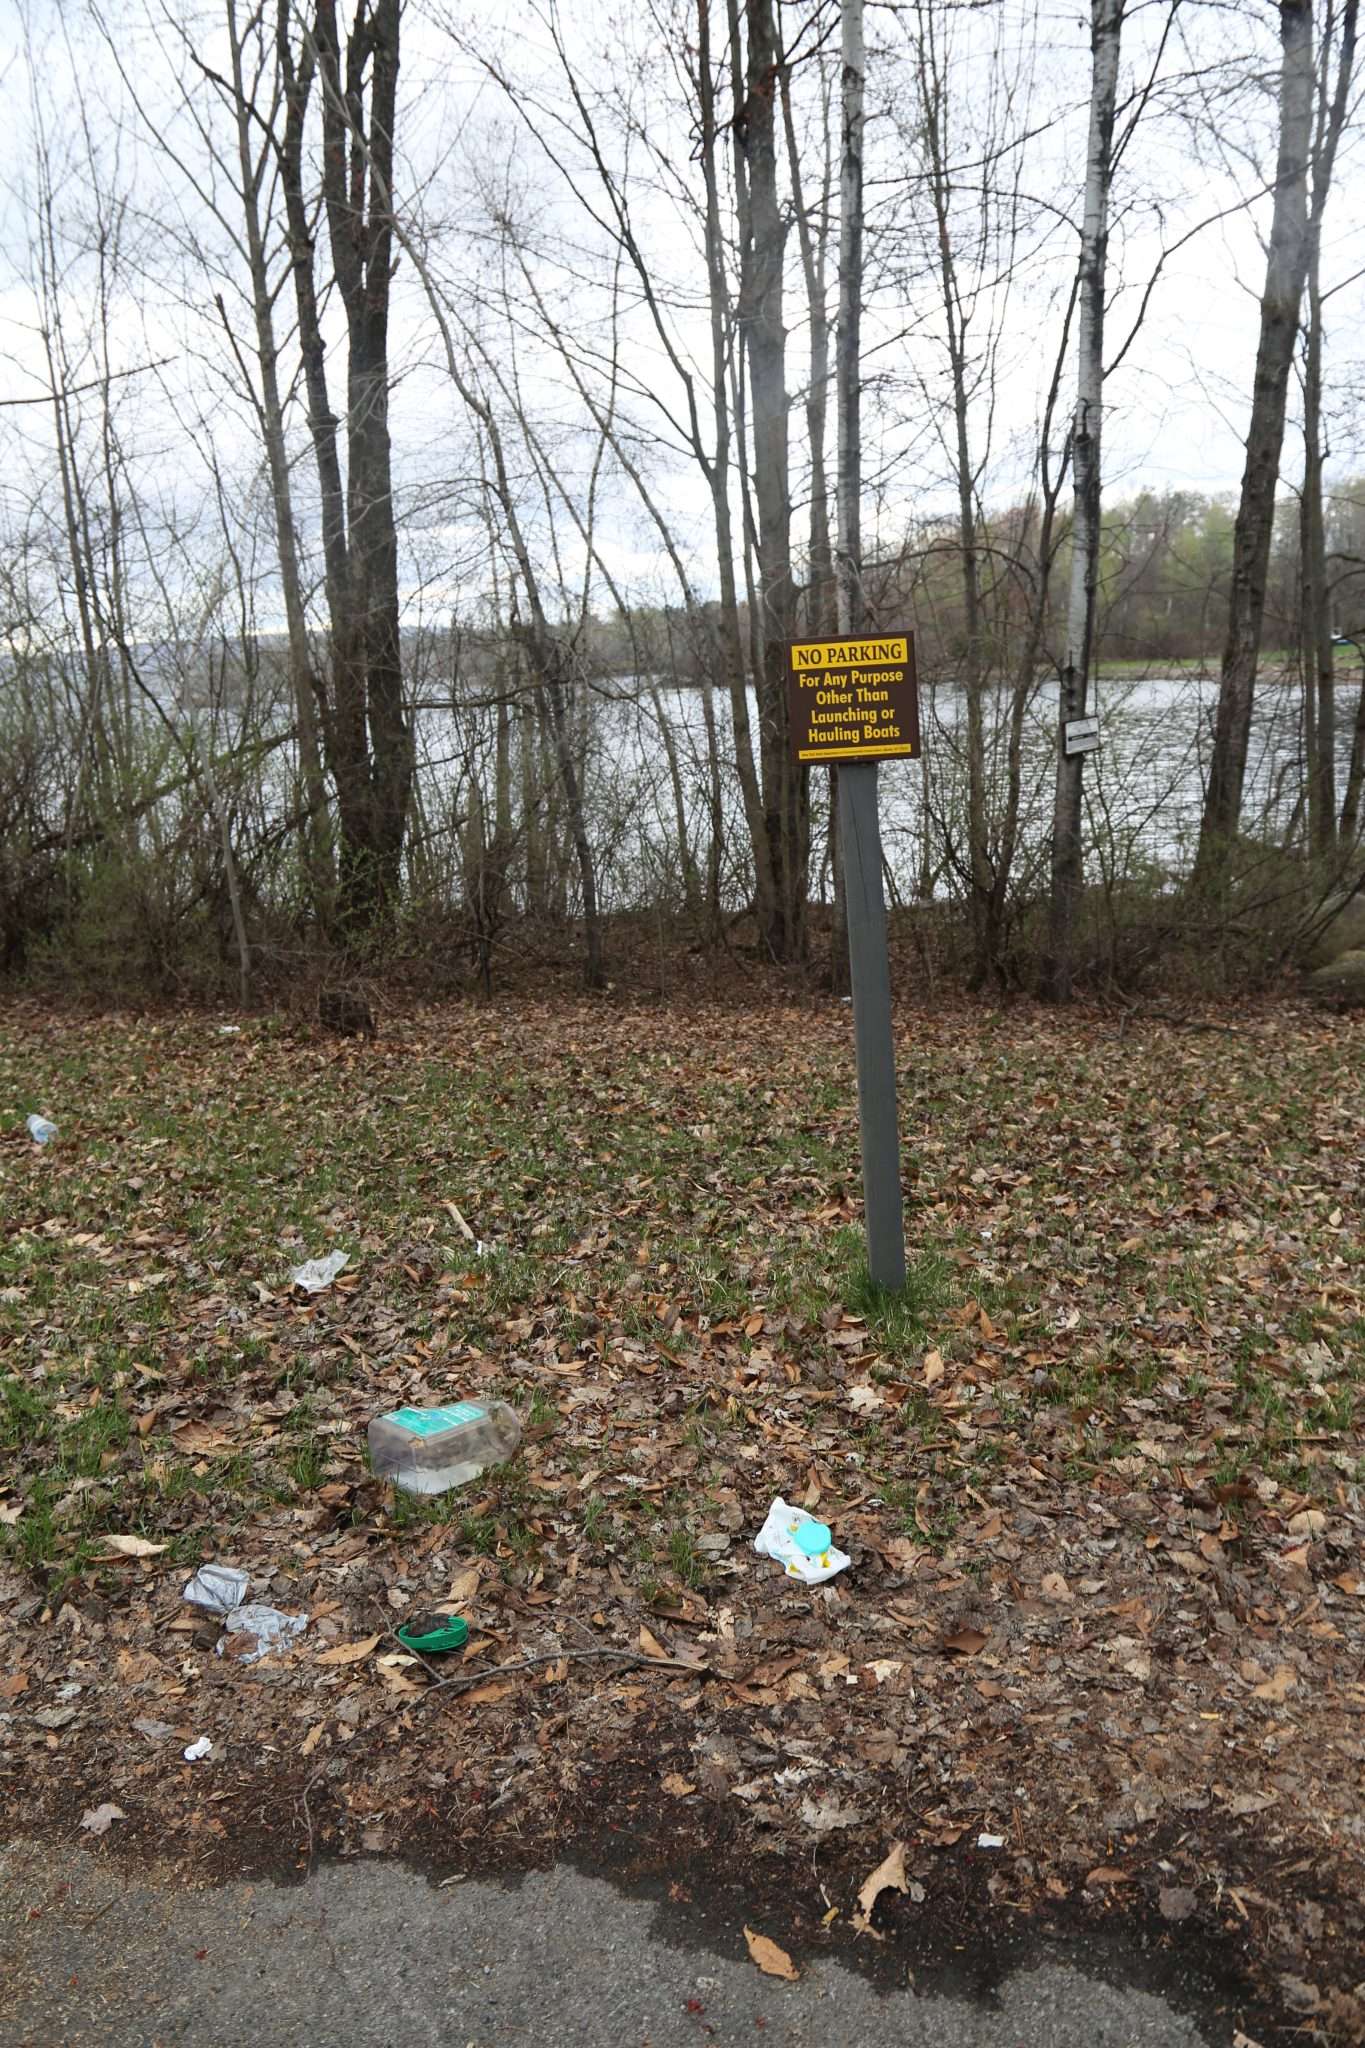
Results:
314 1275
777 1539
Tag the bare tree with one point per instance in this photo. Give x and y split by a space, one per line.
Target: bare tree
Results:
1315 624
366 731
1106 29
1286 265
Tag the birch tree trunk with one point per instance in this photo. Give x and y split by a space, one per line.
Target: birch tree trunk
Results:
1319 675
1106 28
1286 265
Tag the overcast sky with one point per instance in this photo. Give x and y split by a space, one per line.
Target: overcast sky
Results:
1176 407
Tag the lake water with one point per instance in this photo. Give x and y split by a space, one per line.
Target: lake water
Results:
1143 786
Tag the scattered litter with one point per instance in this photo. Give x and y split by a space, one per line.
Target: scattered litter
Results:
272 1630
221 1589
40 1130
433 1634
429 1450
97 1820
218 1587
800 1544
990 1841
198 1750
229 1030
314 1276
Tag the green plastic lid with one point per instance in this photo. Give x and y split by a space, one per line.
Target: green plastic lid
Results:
432 1634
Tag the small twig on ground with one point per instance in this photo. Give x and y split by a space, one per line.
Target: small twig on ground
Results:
461 1679
308 1819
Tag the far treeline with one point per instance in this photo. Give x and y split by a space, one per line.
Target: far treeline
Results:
429 431
1164 577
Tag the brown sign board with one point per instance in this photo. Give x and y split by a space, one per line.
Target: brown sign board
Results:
855 699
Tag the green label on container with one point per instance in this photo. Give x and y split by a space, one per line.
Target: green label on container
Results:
431 1421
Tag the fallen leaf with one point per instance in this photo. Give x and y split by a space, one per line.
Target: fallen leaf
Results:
933 1368
350 1653
888 1876
312 1738
463 1587
132 1546
865 1399
823 1816
652 1647
966 1643
1278 1686
1054 1587
12 1684
677 1786
487 1695
198 1437
1105 1875
772 1960
97 1820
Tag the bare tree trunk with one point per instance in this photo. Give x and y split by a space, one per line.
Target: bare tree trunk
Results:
1355 774
1315 629
1319 676
1285 268
933 109
253 165
763 234
1106 28
369 742
718 477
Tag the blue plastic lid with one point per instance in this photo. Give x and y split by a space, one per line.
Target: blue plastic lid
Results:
812 1537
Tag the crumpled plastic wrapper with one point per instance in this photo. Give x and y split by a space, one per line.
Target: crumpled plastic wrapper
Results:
218 1587
777 1539
314 1276
272 1630
222 1590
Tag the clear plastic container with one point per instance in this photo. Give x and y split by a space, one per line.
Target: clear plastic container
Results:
429 1450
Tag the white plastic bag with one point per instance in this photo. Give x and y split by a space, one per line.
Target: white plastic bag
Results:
316 1275
777 1539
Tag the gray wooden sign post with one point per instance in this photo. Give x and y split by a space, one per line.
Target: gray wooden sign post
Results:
870 974
854 701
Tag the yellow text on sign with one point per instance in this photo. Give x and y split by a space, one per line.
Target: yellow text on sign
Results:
820 654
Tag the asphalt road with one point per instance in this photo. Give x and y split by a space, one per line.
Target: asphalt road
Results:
373 1956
